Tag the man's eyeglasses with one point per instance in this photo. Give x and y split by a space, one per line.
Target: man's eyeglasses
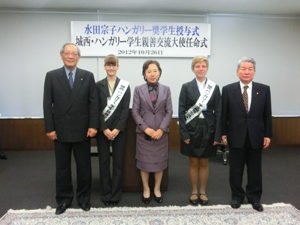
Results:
245 69
71 53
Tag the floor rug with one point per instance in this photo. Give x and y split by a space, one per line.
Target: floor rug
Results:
278 213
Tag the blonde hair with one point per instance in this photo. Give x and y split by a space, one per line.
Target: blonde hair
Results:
111 59
199 58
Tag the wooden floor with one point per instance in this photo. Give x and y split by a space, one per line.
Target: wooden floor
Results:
27 181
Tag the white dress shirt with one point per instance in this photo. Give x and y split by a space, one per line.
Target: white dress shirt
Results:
201 86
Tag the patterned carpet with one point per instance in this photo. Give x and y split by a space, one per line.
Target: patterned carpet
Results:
221 214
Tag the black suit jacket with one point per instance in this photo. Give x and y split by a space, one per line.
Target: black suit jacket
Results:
235 120
189 95
119 117
70 112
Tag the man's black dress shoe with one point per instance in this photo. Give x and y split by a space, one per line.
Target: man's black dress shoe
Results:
114 203
85 206
2 156
235 204
158 199
106 203
194 201
146 200
257 206
61 208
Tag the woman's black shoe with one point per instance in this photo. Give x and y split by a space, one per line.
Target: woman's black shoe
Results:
146 200
194 201
203 202
158 199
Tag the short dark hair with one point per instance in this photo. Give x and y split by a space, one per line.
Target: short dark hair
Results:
146 66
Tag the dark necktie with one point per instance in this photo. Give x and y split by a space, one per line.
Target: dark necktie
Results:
71 79
245 98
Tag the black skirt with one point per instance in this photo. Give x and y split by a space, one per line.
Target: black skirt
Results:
201 141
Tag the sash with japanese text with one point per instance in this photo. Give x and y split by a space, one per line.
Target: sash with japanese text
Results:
115 99
196 109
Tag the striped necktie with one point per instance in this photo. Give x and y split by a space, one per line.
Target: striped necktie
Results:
71 79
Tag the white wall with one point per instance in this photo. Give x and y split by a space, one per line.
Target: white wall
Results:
30 45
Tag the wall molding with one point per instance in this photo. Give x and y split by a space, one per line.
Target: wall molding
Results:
29 134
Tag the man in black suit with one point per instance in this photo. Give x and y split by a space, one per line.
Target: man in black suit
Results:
247 128
71 118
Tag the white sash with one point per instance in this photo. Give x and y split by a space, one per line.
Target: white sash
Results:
196 109
114 101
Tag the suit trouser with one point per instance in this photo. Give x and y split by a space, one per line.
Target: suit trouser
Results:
0 148
111 185
252 158
64 187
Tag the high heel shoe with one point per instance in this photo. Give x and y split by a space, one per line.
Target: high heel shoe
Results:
203 202
158 199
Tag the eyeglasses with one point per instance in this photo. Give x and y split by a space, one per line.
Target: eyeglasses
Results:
71 53
111 65
245 69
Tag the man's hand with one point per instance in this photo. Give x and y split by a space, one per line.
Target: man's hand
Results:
224 140
267 142
92 132
187 141
52 135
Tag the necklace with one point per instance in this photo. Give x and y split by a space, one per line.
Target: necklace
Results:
111 91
